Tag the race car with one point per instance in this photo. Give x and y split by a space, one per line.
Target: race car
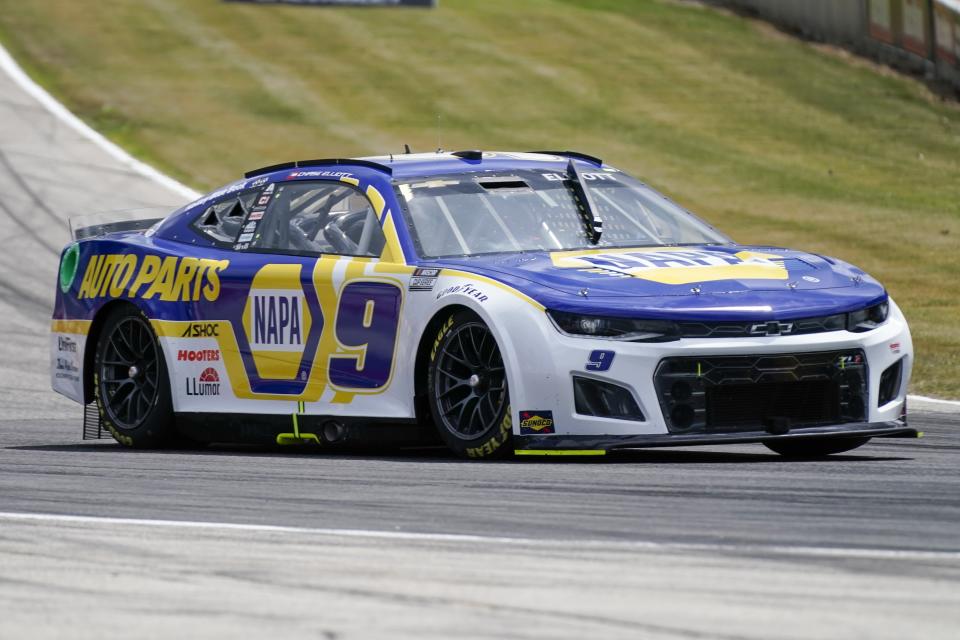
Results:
508 303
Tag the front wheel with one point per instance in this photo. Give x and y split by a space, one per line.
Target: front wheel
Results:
131 385
467 384
815 447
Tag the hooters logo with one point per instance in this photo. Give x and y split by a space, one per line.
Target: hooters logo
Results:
198 355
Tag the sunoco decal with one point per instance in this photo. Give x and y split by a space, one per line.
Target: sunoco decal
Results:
536 423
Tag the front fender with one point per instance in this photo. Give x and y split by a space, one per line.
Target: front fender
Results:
521 328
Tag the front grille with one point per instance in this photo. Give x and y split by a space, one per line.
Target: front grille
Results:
761 406
774 392
803 326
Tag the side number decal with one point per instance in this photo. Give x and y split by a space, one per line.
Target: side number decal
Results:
367 322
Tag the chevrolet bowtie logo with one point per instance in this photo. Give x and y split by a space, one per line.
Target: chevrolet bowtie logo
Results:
772 329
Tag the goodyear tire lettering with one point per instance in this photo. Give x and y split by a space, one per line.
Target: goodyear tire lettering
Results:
496 440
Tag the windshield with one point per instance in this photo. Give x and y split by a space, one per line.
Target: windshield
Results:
495 212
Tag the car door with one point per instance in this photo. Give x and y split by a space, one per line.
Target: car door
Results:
314 327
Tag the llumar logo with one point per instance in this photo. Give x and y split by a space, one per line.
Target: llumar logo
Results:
170 278
207 384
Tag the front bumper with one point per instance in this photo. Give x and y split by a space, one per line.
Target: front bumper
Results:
543 365
546 445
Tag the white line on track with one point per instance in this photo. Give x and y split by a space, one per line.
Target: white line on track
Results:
10 66
409 536
947 403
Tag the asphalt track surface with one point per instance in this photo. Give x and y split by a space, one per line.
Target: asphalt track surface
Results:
725 542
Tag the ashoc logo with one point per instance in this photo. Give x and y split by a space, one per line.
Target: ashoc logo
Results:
201 330
207 384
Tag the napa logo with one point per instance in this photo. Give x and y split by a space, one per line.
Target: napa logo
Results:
276 320
674 266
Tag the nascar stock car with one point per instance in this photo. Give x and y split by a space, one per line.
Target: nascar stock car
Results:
528 303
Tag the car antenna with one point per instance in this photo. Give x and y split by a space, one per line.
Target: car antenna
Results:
439 131
406 149
585 202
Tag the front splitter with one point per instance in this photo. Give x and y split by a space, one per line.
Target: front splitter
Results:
600 444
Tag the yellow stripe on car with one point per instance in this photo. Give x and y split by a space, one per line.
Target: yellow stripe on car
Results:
559 452
494 283
79 327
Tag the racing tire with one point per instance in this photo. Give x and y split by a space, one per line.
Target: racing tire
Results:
131 385
815 447
467 389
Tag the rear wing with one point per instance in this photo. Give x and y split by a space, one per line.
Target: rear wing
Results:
95 225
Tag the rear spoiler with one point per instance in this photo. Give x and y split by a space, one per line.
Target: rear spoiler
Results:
101 223
97 230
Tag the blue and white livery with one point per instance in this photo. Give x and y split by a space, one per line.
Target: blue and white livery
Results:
505 303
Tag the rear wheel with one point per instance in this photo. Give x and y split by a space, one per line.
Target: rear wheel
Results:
131 385
815 447
467 383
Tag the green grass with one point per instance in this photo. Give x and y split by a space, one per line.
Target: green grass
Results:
774 140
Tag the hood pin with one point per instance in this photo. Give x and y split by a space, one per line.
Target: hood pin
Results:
695 290
584 292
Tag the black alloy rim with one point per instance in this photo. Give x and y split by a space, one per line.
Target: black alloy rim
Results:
129 373
470 382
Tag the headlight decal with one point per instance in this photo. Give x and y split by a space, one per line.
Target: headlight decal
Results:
622 329
869 318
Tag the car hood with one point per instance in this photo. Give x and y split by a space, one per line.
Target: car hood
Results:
699 282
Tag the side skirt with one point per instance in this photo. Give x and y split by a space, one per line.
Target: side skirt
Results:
325 431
